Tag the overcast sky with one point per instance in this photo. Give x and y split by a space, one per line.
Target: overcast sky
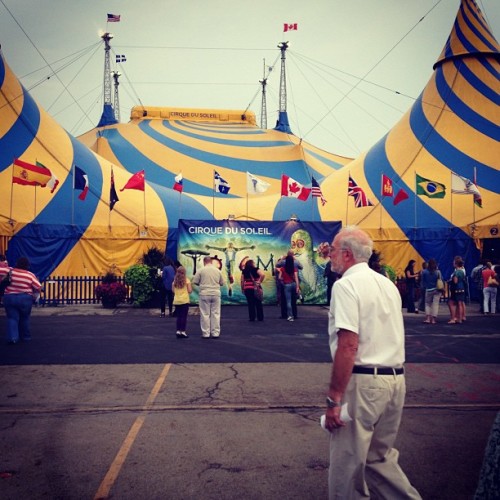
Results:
210 54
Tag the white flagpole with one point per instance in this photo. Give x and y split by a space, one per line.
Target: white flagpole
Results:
213 194
144 196
73 199
347 200
451 198
12 189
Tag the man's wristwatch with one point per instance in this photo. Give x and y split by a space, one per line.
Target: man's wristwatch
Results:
331 403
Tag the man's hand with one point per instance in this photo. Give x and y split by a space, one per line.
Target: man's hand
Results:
332 419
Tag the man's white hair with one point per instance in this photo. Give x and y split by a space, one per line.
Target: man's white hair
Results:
357 241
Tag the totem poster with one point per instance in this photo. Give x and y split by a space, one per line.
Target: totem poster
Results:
231 243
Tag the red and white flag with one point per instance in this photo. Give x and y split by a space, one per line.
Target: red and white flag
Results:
293 189
290 27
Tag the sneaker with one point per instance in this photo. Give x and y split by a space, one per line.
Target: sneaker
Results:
178 333
162 315
290 318
205 336
183 335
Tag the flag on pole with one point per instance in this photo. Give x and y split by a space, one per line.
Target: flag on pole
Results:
81 182
400 196
256 185
178 183
387 189
461 185
293 189
220 184
113 197
135 182
30 175
477 197
316 191
53 181
429 188
113 18
290 27
360 198
120 58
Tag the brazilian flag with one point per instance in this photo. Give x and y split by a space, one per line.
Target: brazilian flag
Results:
430 188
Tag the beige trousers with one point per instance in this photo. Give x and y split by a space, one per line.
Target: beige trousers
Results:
363 462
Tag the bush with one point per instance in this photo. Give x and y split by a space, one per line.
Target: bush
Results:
110 291
139 278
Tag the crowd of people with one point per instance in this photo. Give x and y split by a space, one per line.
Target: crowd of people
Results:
366 339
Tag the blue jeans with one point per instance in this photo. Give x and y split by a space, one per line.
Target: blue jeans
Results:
18 310
289 288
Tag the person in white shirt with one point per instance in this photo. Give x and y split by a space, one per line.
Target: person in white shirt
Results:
209 279
367 345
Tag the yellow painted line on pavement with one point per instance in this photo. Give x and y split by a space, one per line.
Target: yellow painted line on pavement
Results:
115 468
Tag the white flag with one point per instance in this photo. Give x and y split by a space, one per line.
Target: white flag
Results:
461 185
256 185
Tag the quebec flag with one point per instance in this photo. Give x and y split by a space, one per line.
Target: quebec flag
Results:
221 185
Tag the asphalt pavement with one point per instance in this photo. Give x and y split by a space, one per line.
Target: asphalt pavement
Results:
110 404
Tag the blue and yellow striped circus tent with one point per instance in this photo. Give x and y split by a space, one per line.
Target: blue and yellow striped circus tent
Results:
452 128
65 235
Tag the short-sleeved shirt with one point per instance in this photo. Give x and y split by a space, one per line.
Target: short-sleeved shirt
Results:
368 304
181 295
209 279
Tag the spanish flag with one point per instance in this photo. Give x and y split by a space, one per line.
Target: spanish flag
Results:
429 188
30 175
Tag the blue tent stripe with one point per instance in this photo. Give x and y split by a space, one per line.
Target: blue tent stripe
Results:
449 155
477 83
17 139
474 30
227 142
462 110
294 168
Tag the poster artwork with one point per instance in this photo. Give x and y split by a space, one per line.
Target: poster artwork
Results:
231 243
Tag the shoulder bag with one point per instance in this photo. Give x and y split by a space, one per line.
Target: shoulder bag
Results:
7 280
257 290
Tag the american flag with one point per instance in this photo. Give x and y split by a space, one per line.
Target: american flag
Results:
316 191
360 198
113 18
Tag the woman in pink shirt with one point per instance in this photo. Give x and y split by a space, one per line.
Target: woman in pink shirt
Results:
18 300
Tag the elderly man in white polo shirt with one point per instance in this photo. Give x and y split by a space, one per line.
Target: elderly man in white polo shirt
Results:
209 279
367 345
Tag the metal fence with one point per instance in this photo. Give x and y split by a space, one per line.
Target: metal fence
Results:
59 290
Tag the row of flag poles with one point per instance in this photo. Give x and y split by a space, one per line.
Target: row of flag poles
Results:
37 174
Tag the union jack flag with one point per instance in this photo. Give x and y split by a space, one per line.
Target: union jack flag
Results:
360 198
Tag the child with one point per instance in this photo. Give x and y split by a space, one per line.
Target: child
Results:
181 288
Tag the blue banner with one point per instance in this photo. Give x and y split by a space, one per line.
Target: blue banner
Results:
231 243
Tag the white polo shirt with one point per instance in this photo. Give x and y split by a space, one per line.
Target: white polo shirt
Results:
369 304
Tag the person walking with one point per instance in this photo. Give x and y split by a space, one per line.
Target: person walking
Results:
411 282
290 277
490 289
250 277
166 290
456 302
18 299
209 280
181 288
367 345
430 277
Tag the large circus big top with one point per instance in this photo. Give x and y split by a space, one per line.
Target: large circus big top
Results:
450 136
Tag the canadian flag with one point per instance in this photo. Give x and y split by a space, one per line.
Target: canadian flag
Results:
289 27
293 189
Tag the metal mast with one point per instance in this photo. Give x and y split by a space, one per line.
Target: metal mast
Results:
282 124
283 46
108 115
263 108
116 102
